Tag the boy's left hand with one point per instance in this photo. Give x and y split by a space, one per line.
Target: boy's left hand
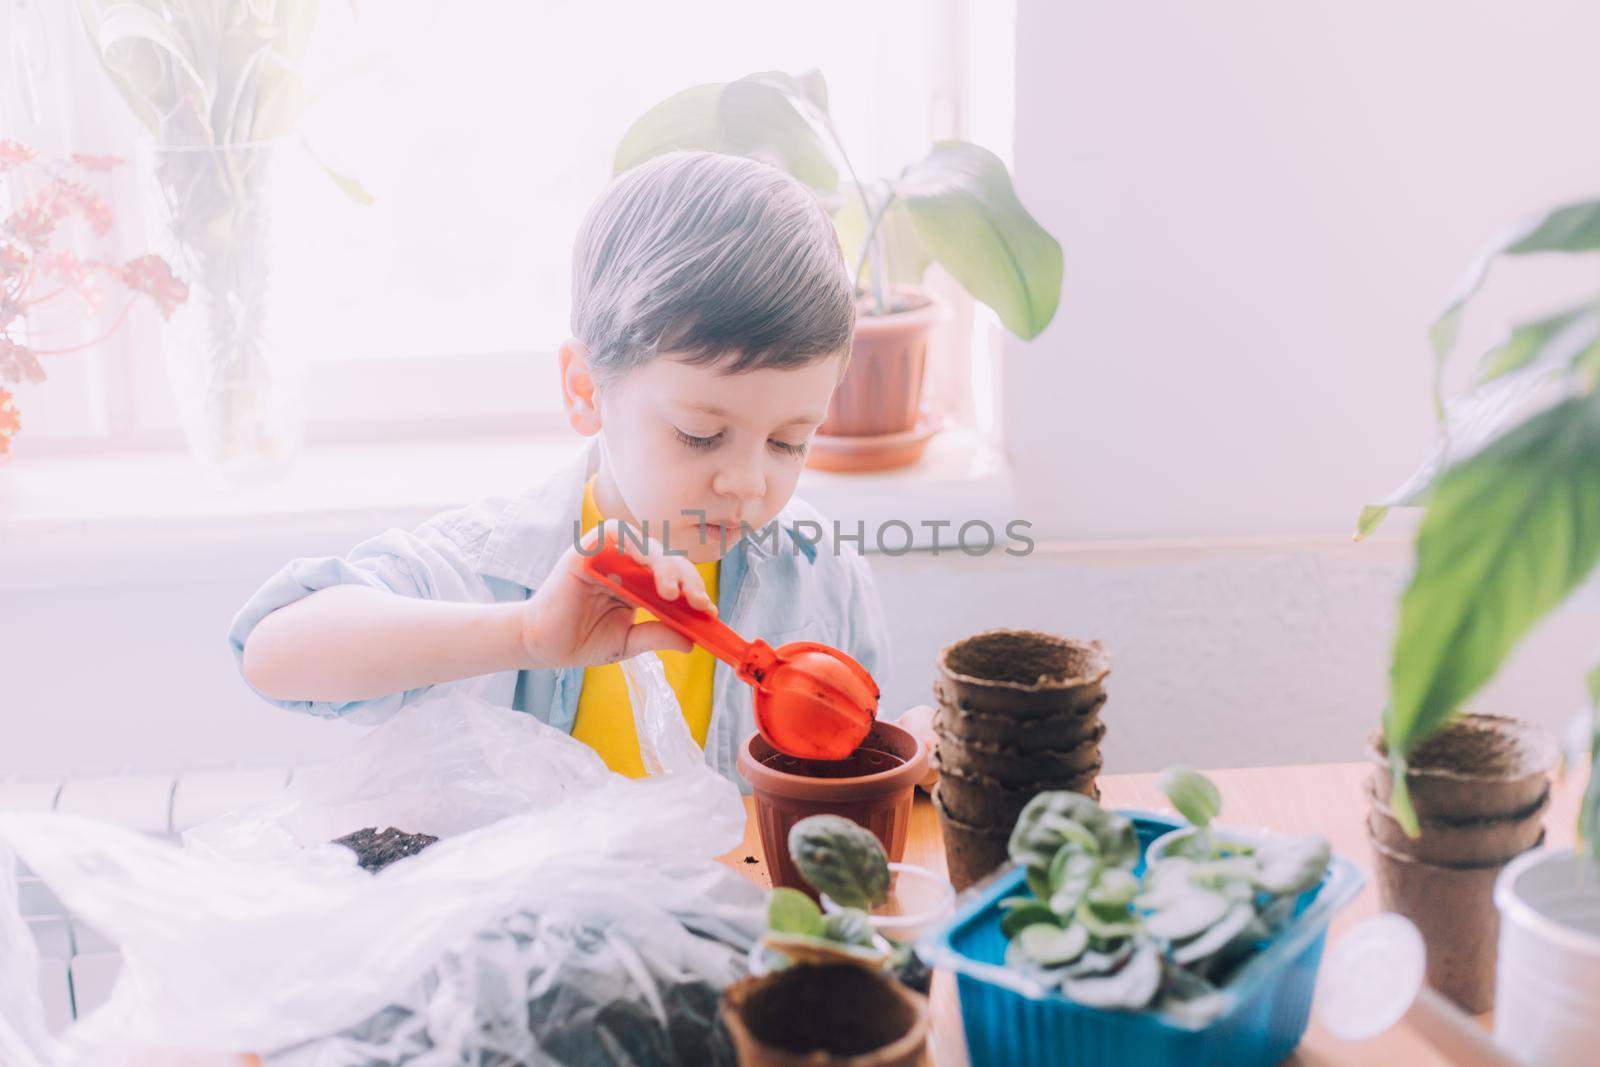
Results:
918 722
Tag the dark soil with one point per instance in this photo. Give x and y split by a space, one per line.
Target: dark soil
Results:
861 762
1483 746
841 1010
375 851
1022 657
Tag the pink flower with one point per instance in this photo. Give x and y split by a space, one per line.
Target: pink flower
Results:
33 223
19 364
102 163
10 421
13 262
14 154
71 196
72 273
151 275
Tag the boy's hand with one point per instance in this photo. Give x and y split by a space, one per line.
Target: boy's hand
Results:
573 621
918 722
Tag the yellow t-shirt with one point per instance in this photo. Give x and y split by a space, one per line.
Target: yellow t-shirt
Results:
605 717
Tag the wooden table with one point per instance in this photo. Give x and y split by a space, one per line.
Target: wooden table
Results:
1322 798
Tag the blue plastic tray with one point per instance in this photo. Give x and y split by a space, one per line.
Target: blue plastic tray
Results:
1012 1022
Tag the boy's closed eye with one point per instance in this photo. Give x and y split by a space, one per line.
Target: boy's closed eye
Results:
795 448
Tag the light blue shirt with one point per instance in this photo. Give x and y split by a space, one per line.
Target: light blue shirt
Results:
780 588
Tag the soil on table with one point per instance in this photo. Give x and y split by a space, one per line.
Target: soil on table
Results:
841 1010
1020 658
375 851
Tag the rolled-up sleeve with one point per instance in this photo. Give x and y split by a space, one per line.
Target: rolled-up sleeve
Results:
435 562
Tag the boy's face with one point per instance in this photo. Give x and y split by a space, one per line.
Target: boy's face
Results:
680 437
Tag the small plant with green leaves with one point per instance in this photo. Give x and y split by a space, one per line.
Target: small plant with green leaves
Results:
1512 499
1108 939
956 206
847 863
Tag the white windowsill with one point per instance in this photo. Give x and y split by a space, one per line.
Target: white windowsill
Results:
83 520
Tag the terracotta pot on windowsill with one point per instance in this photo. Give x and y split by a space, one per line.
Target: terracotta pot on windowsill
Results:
876 420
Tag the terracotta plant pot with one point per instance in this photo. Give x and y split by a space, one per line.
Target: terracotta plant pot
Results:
970 852
979 800
1056 731
1466 842
826 1016
874 788
1454 909
1018 766
1023 674
1478 767
875 420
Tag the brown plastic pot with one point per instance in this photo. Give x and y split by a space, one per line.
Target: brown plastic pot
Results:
971 853
1477 767
1020 765
1023 674
881 391
1453 907
826 1016
979 800
1458 842
1050 731
873 788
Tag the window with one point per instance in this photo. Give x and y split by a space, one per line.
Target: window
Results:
483 131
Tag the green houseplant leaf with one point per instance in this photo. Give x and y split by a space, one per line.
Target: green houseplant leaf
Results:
1508 534
790 911
965 210
1193 794
1570 228
764 116
838 857
1472 421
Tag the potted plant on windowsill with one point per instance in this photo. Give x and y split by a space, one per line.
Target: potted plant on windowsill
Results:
955 207
1511 527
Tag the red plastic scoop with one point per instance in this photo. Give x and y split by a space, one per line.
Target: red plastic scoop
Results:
812 701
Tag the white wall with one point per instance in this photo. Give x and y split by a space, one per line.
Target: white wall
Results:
1262 205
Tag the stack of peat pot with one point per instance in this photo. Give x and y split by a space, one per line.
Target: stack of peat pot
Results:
1019 714
1480 788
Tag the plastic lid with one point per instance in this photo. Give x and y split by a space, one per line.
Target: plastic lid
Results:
1371 977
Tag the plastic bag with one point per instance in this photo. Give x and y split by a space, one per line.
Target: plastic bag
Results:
261 937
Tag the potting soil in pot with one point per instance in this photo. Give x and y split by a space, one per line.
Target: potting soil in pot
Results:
840 1010
861 762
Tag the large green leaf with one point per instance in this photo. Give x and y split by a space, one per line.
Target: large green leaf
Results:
966 211
1517 376
767 116
766 121
1508 534
1571 228
1558 338
685 121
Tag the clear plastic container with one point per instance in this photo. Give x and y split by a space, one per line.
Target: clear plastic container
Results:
918 898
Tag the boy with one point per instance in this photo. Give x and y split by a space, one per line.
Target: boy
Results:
712 316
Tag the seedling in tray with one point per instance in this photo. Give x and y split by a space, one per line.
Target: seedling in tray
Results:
1109 938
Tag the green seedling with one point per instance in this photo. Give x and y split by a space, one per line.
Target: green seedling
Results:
1109 939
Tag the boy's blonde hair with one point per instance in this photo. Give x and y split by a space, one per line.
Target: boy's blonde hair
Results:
713 257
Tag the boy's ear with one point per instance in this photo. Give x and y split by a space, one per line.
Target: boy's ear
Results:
577 388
